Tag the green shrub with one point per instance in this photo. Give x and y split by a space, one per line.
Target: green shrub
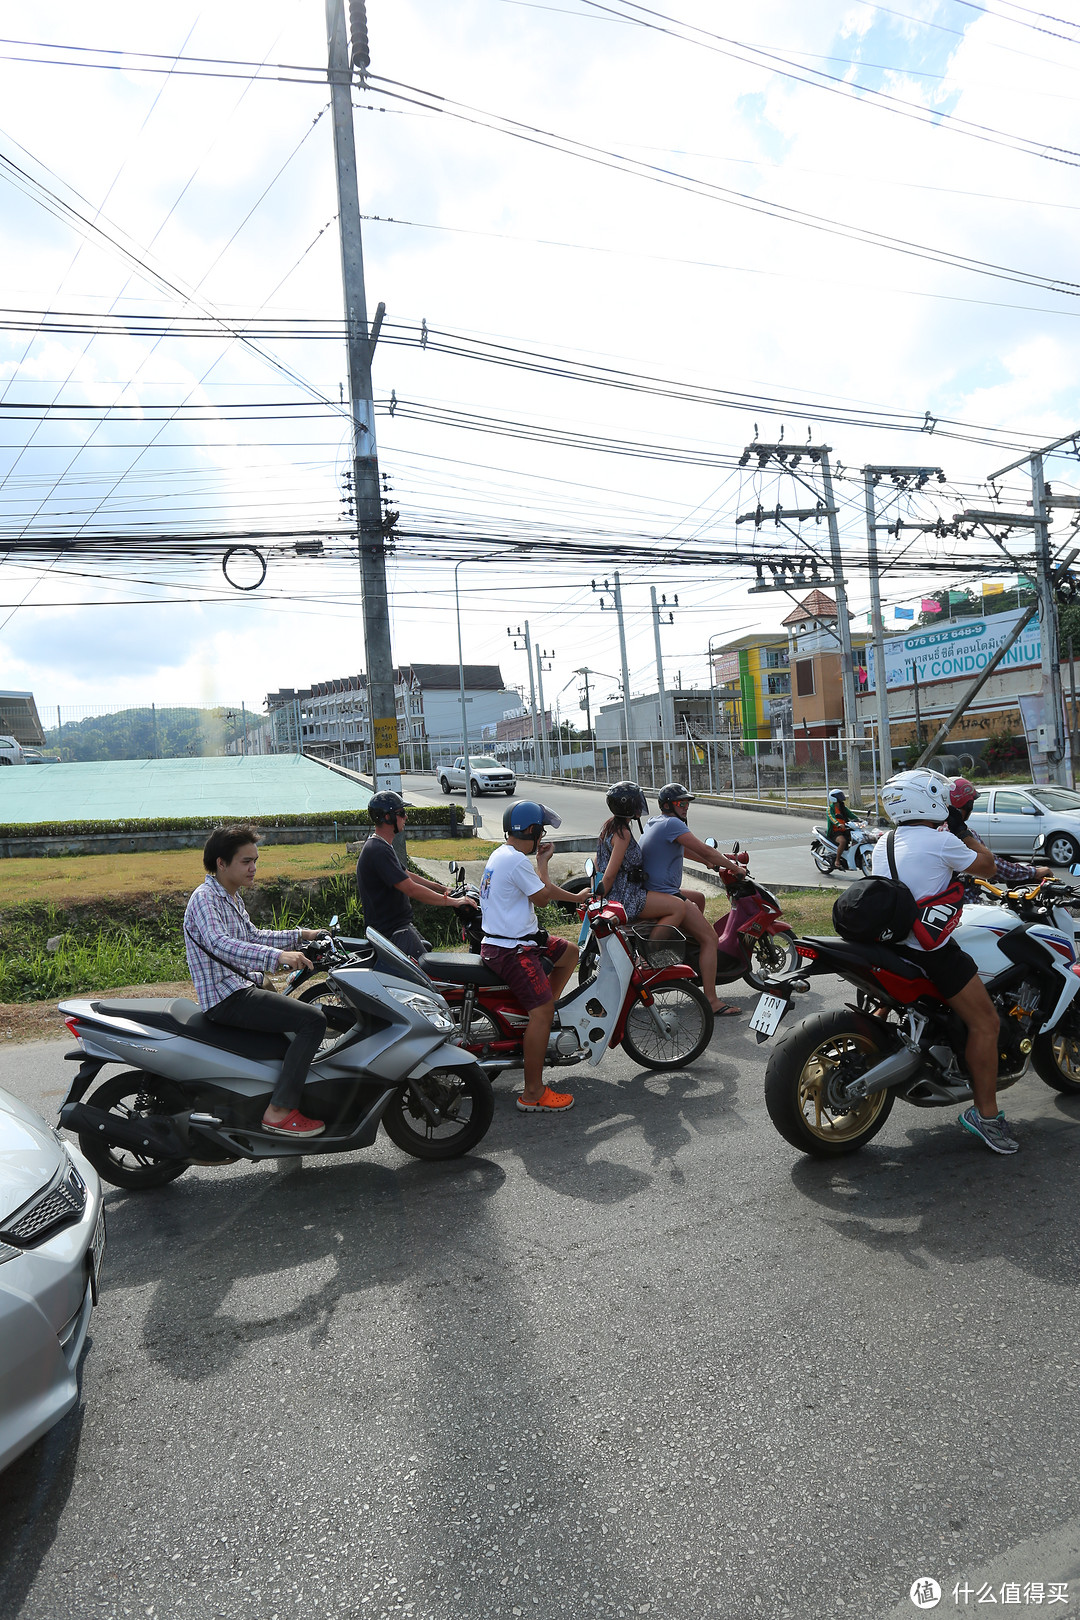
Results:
431 815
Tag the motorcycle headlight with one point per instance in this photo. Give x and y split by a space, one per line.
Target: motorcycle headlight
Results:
436 1012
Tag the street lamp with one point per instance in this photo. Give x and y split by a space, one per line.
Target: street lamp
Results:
461 688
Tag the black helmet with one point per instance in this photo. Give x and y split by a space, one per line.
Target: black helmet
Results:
627 800
385 806
671 793
524 820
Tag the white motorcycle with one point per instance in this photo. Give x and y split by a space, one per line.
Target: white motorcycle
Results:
857 856
832 1080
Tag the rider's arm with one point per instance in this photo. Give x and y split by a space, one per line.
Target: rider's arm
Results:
984 864
708 857
429 894
429 883
550 891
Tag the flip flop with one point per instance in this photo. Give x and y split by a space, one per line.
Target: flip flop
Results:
727 1010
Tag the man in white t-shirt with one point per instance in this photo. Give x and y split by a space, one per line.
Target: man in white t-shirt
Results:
536 972
928 859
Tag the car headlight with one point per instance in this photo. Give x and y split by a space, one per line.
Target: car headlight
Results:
436 1013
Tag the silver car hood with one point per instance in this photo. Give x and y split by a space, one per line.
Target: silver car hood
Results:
30 1155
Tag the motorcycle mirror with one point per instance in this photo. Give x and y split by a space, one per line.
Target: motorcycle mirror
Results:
711 843
736 846
1075 870
334 921
590 868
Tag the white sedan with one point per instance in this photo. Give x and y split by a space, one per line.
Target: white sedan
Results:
52 1237
1039 822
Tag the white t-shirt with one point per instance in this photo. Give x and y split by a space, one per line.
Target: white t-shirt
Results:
926 860
508 882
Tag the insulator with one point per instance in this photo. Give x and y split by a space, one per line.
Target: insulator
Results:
361 52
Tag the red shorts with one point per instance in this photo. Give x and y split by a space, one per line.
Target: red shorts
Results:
525 971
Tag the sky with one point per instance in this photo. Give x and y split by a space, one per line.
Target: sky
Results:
202 193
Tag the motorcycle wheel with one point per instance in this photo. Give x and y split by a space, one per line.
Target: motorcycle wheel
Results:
589 961
128 1095
772 954
688 1021
802 1071
339 1015
824 863
863 859
1056 1059
467 1099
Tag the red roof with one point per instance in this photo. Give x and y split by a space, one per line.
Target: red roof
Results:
815 606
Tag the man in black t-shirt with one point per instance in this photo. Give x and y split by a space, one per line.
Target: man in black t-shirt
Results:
386 889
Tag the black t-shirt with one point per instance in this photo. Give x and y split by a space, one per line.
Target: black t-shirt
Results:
378 869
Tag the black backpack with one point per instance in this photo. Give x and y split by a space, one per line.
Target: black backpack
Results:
877 911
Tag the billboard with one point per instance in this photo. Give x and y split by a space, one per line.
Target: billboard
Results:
955 651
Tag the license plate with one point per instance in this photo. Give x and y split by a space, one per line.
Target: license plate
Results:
97 1255
767 1015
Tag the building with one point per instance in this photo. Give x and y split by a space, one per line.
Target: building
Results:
752 686
19 719
691 708
815 660
332 719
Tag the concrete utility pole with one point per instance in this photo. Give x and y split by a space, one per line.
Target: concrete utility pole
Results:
667 710
616 594
585 673
369 519
847 662
903 478
527 646
545 741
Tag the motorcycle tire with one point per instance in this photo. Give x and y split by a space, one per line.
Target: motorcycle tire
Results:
772 954
824 863
339 1015
1056 1059
133 1093
689 1031
409 1128
589 961
797 1080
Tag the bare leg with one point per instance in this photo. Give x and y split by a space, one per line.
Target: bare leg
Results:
663 908
534 1049
980 1015
702 931
693 897
564 967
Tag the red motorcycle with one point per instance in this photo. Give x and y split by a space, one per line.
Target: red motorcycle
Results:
657 1014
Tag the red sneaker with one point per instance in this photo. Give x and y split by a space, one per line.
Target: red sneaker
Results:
294 1124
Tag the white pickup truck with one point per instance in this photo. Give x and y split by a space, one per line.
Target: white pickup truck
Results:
485 775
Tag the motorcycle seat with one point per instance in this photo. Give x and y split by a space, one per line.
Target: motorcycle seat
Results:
187 1018
877 955
459 967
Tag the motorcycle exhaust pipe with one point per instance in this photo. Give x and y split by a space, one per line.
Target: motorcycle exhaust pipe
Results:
154 1136
891 1071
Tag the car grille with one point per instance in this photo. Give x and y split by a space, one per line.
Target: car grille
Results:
56 1206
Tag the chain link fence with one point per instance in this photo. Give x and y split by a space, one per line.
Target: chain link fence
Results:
74 734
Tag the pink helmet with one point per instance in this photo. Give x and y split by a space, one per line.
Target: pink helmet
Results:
961 793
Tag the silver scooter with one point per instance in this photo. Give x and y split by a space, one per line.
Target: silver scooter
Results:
857 856
194 1092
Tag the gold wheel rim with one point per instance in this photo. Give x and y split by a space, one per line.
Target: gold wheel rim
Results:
1067 1057
831 1124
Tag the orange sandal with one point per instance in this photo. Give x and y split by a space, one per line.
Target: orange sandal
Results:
550 1102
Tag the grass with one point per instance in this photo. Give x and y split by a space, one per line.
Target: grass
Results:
78 967
451 849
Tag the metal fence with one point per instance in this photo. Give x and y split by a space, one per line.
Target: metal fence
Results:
147 731
788 770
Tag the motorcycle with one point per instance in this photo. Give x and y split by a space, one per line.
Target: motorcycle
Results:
198 1090
753 941
832 1081
857 856
659 1016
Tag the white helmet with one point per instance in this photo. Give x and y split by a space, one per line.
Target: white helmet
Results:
916 796
836 795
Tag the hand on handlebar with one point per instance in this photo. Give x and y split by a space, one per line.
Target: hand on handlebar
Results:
291 960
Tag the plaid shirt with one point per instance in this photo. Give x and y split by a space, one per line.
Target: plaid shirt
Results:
220 922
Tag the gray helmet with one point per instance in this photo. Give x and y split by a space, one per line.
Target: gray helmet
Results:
671 793
385 806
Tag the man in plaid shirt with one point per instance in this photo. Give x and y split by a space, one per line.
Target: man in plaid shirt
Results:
227 956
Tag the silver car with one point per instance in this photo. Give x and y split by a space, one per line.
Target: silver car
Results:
52 1238
1039 822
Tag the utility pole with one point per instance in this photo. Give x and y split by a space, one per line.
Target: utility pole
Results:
616 594
585 673
545 750
667 710
371 536
903 478
526 645
847 662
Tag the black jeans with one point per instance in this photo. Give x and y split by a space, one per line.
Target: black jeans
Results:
267 1010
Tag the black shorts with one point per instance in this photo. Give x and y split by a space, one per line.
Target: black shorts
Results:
948 968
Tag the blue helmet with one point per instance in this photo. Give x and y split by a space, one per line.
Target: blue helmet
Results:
524 820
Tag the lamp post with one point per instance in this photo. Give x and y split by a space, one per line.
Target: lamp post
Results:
461 689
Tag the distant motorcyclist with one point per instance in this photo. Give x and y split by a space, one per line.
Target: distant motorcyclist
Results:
962 796
838 822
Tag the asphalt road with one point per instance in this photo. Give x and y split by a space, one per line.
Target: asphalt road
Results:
640 1359
779 845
